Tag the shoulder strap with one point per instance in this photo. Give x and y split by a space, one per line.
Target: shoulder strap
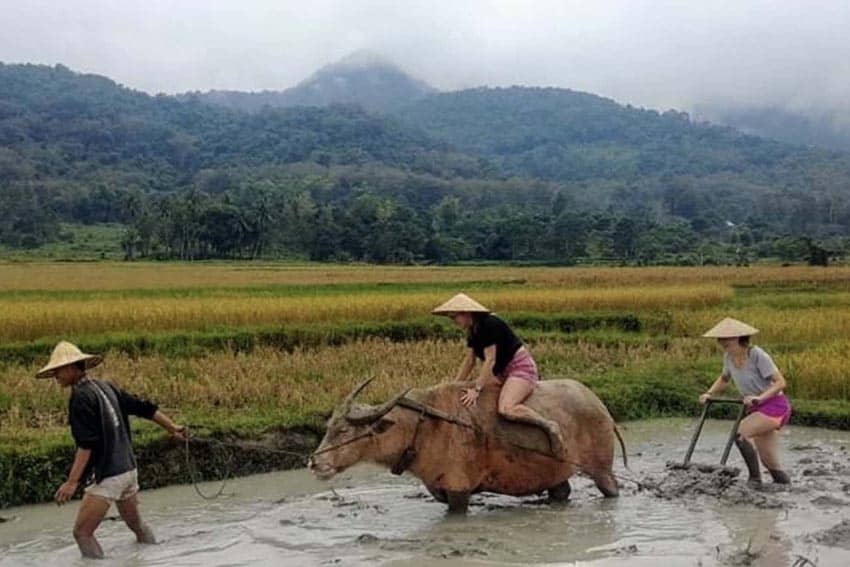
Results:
114 413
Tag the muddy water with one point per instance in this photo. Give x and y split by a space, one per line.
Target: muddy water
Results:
372 518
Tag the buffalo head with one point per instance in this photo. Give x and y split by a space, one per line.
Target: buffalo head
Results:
354 432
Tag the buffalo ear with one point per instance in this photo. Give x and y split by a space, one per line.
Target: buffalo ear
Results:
383 425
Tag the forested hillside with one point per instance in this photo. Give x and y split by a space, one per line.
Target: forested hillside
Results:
620 156
79 147
501 174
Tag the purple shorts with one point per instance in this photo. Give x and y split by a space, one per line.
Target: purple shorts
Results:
521 366
777 407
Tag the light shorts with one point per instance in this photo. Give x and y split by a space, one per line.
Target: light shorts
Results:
116 488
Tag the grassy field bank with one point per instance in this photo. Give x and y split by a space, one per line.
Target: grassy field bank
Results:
247 351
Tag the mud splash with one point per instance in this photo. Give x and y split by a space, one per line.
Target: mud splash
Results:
722 483
836 536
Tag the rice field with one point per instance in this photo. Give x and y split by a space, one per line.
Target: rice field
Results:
30 319
804 314
29 276
288 382
246 349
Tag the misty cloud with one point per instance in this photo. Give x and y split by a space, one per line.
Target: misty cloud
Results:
656 53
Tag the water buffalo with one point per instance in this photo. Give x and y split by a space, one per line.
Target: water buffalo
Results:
456 451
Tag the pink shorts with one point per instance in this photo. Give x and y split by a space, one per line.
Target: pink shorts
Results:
521 366
776 407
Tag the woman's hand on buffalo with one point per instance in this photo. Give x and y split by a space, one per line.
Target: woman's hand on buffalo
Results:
469 397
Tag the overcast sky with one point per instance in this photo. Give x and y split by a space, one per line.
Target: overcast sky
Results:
655 53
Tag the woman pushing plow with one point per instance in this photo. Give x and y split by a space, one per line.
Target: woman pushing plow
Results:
762 386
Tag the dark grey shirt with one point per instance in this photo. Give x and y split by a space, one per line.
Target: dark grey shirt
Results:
754 377
98 413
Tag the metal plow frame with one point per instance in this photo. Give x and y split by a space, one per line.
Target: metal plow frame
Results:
732 433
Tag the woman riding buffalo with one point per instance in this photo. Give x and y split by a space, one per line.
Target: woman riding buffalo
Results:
762 385
506 362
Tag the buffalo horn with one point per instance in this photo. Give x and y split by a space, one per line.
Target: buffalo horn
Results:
349 399
371 414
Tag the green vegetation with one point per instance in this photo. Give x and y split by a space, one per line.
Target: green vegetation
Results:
532 175
75 242
632 335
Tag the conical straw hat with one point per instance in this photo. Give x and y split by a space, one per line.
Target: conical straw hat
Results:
730 328
64 354
461 303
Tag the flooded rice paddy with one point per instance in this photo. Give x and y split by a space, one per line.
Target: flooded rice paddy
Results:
368 517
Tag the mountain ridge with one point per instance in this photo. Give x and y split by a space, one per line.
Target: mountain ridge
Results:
362 78
824 129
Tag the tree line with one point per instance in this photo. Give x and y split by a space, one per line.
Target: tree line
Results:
366 228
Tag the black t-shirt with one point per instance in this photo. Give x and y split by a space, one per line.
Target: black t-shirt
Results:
98 413
490 330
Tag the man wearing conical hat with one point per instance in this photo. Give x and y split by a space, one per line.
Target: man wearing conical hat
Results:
505 362
104 462
762 385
